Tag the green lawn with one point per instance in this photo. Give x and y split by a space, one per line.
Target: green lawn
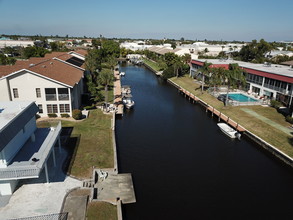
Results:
277 138
101 211
152 64
94 143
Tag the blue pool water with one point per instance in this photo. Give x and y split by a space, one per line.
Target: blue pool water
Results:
241 98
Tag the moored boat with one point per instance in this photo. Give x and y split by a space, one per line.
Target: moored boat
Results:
230 132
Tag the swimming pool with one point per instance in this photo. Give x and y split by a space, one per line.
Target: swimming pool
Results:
241 97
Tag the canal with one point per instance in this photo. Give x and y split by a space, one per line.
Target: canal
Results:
183 167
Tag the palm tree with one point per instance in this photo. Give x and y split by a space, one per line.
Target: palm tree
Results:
205 70
217 77
106 77
234 77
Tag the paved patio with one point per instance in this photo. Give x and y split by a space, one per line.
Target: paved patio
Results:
35 197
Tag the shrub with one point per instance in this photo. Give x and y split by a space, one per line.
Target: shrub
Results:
275 104
52 115
65 115
76 114
289 119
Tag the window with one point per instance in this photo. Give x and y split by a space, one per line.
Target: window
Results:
50 94
40 108
52 109
38 92
63 94
15 93
64 108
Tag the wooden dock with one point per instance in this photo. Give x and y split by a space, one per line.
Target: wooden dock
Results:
209 108
117 93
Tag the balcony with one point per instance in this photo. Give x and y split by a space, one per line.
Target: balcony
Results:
30 160
51 97
62 97
276 88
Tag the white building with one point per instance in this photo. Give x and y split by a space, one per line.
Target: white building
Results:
16 43
138 45
55 84
24 148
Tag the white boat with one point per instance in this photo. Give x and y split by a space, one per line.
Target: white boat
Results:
127 101
122 73
230 132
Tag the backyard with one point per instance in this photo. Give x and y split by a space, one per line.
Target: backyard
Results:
92 142
247 116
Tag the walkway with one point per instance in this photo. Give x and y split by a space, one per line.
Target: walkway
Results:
117 93
268 121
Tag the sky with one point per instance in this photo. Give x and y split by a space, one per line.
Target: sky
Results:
230 20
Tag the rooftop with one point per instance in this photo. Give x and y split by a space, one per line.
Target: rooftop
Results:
10 110
273 68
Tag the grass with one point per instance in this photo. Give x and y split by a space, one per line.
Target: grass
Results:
277 138
101 211
94 145
152 64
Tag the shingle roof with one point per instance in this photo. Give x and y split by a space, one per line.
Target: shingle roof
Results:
49 67
58 71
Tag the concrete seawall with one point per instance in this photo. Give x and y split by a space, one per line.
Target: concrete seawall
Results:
158 73
262 143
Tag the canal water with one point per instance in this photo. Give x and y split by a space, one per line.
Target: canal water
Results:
183 167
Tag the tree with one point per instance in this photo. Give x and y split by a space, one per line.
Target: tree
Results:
186 58
170 58
6 60
110 48
92 86
217 77
234 78
206 50
106 77
204 70
93 62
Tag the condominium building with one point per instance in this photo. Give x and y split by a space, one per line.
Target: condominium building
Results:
270 80
55 83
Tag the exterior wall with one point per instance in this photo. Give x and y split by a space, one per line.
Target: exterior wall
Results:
26 83
7 187
76 94
17 142
4 90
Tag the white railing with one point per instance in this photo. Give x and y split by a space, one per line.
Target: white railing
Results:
19 172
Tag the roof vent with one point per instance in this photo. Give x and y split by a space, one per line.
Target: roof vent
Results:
267 64
32 64
44 66
51 63
1 110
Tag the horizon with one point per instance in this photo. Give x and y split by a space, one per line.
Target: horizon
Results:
130 19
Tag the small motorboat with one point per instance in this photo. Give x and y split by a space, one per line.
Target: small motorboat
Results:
122 73
230 132
127 101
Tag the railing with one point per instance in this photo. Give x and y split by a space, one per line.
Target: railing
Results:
49 143
51 97
57 216
62 97
282 90
19 172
